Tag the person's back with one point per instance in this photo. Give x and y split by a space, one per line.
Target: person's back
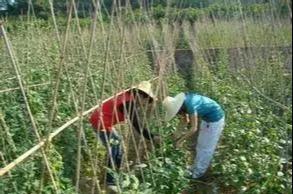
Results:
109 114
115 110
206 108
191 106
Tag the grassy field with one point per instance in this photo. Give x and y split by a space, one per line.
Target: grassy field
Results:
254 155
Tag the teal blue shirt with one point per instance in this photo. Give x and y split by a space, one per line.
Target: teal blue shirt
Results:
206 108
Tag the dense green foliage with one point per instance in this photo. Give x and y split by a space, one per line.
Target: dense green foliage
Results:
255 154
38 58
256 148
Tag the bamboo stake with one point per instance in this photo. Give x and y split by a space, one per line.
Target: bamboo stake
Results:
83 98
26 88
6 130
278 104
20 82
9 174
60 69
54 21
74 99
61 65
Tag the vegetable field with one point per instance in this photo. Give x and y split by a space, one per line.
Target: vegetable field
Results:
55 70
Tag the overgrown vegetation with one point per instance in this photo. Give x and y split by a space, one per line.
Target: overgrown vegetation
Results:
242 64
255 152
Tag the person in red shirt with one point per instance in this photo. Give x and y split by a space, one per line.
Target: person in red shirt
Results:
116 110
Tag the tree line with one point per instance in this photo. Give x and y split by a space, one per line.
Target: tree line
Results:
183 9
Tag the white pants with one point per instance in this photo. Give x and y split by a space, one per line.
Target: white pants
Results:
208 139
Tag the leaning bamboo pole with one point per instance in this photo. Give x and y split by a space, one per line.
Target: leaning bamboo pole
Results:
83 96
28 108
28 87
34 149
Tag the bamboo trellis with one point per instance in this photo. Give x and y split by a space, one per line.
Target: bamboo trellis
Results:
52 135
163 50
44 142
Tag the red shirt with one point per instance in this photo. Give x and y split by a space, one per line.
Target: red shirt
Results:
108 114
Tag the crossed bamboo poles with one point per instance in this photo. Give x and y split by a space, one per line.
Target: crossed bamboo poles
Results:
43 142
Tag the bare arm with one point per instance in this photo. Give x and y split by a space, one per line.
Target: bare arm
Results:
194 128
136 121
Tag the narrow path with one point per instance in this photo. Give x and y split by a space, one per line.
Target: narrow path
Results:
210 186
198 187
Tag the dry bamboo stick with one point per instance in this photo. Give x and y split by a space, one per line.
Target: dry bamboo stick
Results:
21 158
74 98
18 88
54 21
83 98
9 174
34 149
62 50
278 104
7 132
20 82
11 78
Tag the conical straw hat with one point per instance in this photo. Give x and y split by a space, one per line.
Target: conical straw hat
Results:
172 105
145 87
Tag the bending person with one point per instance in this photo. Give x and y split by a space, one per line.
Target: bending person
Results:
116 110
191 106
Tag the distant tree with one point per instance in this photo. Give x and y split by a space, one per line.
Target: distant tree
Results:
3 5
214 8
191 3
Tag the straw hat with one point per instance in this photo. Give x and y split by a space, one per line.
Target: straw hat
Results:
172 105
145 87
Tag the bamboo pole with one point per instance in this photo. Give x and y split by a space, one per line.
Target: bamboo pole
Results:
95 179
60 67
21 85
9 174
34 149
278 104
7 132
83 98
18 88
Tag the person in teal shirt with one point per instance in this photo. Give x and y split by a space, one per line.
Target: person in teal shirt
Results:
192 106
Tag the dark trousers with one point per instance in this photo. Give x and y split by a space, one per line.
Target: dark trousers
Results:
112 142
